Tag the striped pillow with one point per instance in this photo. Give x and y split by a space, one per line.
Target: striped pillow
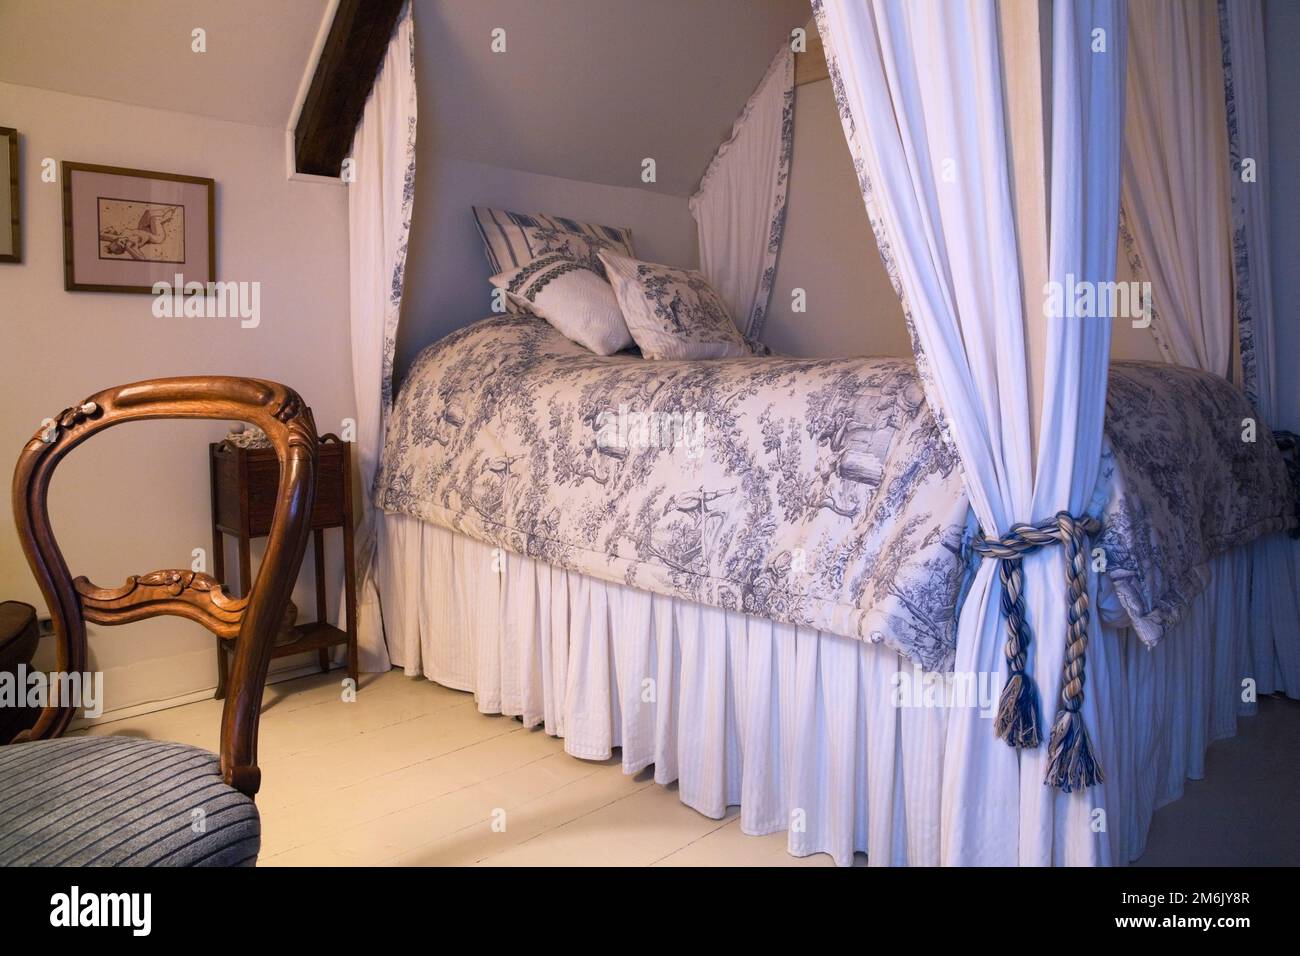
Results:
572 298
512 239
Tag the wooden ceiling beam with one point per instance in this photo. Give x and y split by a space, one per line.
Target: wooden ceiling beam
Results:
349 62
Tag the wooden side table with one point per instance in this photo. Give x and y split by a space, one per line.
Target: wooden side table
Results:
244 486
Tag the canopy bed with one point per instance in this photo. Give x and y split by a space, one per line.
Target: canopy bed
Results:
865 601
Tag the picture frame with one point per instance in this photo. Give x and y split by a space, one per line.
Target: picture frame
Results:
126 229
11 231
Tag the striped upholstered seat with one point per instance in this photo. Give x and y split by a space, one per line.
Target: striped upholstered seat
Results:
121 801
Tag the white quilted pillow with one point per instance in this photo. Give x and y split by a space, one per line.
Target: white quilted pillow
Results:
577 301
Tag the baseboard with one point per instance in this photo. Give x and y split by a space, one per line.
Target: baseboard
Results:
154 706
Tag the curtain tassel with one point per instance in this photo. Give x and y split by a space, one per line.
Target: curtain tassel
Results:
1072 763
1017 720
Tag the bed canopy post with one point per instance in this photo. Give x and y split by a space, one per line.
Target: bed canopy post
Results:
1023 33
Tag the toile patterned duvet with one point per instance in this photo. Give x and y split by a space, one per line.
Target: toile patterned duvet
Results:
810 492
1188 472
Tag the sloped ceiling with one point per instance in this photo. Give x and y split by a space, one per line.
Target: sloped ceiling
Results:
587 89
139 52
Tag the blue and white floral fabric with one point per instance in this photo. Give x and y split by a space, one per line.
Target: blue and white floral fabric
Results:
1187 475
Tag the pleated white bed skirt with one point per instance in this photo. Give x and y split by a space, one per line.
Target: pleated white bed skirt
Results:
800 728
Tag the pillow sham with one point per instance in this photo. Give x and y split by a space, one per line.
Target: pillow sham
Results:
577 302
512 239
672 313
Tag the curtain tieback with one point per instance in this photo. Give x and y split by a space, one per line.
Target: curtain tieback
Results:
1071 763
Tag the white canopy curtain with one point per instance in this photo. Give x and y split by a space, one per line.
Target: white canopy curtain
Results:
1275 560
1176 180
1245 85
739 208
1199 233
918 84
379 222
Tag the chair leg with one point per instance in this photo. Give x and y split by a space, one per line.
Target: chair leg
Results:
223 667
353 668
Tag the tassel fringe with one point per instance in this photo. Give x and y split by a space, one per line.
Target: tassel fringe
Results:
1017 720
1071 765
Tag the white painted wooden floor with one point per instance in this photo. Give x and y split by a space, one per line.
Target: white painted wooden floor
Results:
412 774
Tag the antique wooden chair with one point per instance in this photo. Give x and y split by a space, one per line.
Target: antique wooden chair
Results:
128 801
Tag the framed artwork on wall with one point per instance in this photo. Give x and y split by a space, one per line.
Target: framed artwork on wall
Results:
11 232
125 229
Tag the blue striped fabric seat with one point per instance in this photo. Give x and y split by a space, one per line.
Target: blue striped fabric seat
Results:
121 801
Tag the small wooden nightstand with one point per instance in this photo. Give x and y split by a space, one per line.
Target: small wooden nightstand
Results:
244 485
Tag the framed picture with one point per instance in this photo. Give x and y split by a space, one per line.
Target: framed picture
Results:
125 229
11 232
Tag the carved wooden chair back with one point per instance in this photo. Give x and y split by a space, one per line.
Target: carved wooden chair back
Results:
252 622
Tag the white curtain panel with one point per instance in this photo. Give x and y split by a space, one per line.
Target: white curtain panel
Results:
739 208
1275 594
1175 179
1241 29
1089 47
918 84
379 222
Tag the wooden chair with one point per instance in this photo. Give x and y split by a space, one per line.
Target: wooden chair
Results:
125 800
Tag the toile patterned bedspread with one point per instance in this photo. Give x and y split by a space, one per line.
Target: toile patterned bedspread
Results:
1181 484
810 492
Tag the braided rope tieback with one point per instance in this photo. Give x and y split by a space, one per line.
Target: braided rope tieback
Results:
1071 762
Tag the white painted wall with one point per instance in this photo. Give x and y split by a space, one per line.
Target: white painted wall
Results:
586 89
136 498
829 250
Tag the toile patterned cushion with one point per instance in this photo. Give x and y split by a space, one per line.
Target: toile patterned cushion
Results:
571 296
672 313
513 239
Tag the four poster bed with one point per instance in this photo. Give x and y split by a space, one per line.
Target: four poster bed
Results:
847 597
